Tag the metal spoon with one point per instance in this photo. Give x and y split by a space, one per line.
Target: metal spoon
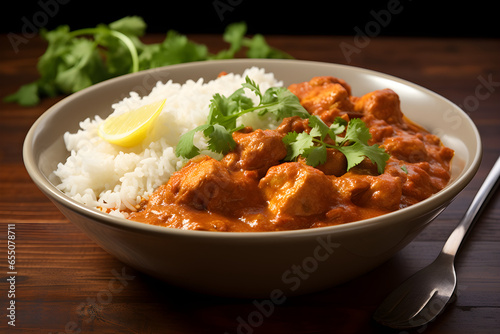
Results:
422 297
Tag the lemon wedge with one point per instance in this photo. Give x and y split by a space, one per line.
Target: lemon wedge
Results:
130 128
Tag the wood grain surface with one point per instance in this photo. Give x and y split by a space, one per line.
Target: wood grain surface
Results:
65 283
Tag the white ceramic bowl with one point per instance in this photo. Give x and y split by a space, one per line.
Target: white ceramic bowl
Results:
263 264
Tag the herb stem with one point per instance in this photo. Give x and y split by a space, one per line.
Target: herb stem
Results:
262 106
246 111
323 143
122 37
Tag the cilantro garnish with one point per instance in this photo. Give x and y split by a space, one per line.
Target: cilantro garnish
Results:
312 146
354 144
78 59
224 111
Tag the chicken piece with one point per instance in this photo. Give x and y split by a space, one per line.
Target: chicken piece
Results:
326 97
297 189
206 184
419 183
409 148
381 192
303 89
381 104
293 124
257 150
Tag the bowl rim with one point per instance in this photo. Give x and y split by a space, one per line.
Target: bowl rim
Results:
431 203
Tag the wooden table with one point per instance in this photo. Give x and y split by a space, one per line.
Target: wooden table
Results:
67 284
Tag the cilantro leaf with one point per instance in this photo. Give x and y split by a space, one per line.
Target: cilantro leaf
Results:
224 112
220 139
304 144
242 101
175 49
282 103
130 26
27 95
80 67
356 132
120 40
354 145
317 123
297 144
234 35
259 48
315 132
185 147
338 126
377 155
252 86
316 155
356 153
77 59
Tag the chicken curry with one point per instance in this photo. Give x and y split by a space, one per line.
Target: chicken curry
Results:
253 188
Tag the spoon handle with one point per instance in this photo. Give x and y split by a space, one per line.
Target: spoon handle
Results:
486 191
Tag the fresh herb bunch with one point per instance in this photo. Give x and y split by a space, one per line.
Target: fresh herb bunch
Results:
73 61
224 111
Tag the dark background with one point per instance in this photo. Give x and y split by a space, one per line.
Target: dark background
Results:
413 18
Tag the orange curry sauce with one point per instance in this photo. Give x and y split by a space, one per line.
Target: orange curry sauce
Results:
253 189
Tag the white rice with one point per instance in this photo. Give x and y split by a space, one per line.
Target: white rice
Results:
113 179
